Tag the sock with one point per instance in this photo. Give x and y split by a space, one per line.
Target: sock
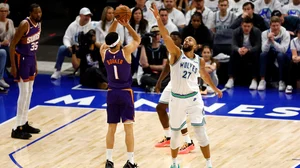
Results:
208 163
174 161
109 154
167 132
187 138
22 115
130 157
28 99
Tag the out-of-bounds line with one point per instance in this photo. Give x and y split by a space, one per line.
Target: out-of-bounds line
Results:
44 136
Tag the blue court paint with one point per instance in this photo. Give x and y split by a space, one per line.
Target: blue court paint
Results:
237 102
44 136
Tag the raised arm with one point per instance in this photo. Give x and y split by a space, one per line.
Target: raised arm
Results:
22 29
172 48
205 76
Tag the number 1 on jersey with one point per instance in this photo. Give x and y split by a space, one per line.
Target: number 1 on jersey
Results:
116 72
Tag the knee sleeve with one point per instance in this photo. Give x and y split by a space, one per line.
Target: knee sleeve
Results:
175 139
201 135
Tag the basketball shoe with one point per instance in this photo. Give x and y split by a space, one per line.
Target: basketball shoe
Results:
20 133
164 143
30 129
186 148
129 165
175 166
109 164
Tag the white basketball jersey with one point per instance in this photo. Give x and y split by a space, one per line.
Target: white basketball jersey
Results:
184 75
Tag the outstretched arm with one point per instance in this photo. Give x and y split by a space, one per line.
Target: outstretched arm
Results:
172 48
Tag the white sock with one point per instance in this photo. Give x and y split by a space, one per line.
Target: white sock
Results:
174 161
168 133
109 154
208 163
28 99
130 157
187 138
22 115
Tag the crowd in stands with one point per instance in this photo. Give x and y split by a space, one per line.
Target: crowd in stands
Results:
257 41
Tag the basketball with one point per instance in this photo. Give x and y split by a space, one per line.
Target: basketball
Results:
122 12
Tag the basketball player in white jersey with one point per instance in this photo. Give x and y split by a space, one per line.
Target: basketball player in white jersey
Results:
186 67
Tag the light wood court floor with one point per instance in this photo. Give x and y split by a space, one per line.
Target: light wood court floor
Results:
75 138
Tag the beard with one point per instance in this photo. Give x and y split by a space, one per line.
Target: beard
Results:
187 49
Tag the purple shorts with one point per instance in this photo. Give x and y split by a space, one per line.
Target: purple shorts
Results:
119 105
26 67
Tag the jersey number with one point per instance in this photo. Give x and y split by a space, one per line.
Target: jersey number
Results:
186 74
116 72
34 46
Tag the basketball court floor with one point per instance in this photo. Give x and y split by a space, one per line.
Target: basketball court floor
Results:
247 129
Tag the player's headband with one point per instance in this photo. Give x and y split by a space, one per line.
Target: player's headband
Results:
115 43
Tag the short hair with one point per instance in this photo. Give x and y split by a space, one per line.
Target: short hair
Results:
248 3
33 6
5 5
111 38
247 19
275 19
162 9
220 1
176 33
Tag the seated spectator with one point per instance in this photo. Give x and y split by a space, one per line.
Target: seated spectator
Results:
265 7
207 14
248 10
292 9
176 16
107 17
7 31
148 15
164 16
236 6
199 31
88 59
246 47
210 67
153 60
294 69
275 43
81 23
221 27
141 26
290 23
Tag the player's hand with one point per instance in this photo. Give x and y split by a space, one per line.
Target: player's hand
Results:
123 22
219 93
155 11
157 87
13 71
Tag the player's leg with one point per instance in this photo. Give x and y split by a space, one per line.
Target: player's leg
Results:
113 118
161 110
203 141
188 145
127 115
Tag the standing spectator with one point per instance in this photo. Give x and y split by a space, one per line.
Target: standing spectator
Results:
246 47
248 10
265 7
81 23
88 59
174 14
275 43
207 14
221 27
7 32
153 60
294 69
199 31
